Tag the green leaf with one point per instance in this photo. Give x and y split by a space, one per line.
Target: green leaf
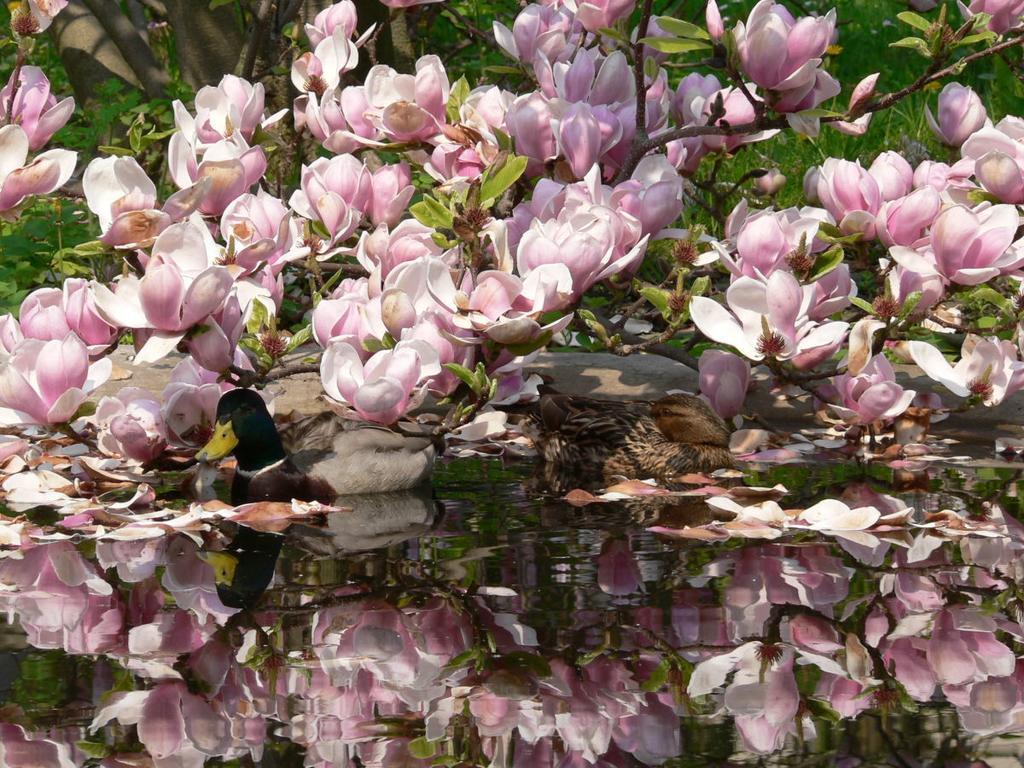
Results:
463 374
431 213
818 113
675 44
500 177
502 69
915 20
914 43
456 98
826 262
259 318
987 321
861 304
614 34
991 296
700 286
978 38
910 304
658 297
118 151
530 662
503 139
92 749
658 677
978 196
215 4
822 710
300 337
682 28
530 346
421 748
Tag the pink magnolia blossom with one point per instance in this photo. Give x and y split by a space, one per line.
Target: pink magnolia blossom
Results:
44 11
736 110
344 316
1002 176
164 304
832 292
724 378
968 247
713 20
170 721
386 386
653 194
595 14
765 239
338 15
10 333
769 184
233 106
260 229
541 29
35 108
529 122
961 113
783 55
124 200
322 68
385 248
392 191
336 192
618 572
586 243
408 107
893 174
407 3
988 368
962 653
769 319
851 194
46 382
190 402
1006 14
18 180
905 220
437 328
131 425
872 394
53 313
338 120
231 165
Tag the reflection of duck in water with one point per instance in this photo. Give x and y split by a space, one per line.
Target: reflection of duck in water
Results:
580 437
243 570
370 521
315 458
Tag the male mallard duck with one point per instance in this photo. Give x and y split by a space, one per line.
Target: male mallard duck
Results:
674 436
314 459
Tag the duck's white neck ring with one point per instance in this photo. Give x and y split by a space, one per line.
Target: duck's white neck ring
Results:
260 471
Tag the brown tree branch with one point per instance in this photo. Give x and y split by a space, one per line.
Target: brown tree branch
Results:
722 128
133 48
257 39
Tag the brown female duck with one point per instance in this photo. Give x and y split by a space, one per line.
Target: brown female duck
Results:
581 437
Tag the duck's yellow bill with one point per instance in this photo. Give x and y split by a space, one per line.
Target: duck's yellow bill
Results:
220 445
224 565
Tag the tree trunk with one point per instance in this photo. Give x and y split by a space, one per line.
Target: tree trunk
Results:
88 54
208 42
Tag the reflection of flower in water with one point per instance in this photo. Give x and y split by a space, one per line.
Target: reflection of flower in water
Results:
425 668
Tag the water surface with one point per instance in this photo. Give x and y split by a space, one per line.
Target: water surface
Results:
491 623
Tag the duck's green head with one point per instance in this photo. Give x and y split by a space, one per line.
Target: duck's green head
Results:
245 428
